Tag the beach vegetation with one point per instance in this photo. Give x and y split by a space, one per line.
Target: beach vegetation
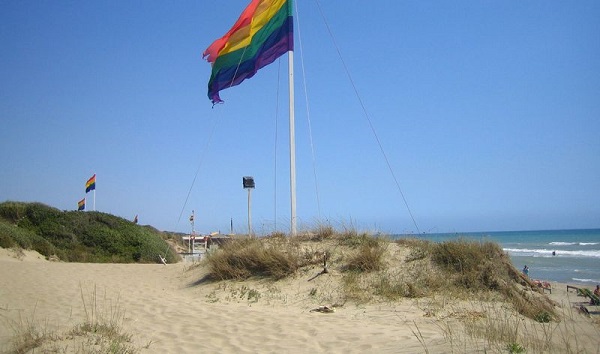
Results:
324 231
353 285
500 309
515 348
99 332
75 236
321 232
28 335
246 293
371 269
472 265
248 257
102 325
543 317
368 255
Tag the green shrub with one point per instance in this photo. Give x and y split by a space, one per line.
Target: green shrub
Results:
80 236
5 240
15 236
37 213
43 246
543 317
515 348
12 211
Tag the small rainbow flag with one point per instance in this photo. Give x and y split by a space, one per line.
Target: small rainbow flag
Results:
81 204
90 184
263 32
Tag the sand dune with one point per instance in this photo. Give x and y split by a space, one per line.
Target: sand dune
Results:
166 309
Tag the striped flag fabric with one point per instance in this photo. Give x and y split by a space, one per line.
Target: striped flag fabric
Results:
263 32
81 204
90 185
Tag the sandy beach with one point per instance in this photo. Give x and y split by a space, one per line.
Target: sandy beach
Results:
168 309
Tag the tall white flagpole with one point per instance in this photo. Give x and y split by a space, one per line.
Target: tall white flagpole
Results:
94 191
293 229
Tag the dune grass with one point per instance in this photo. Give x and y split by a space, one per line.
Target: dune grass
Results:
460 268
242 259
100 331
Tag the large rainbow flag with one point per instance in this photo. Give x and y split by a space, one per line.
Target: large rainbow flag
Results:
90 184
263 32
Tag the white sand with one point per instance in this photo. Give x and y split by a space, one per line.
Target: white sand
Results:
167 311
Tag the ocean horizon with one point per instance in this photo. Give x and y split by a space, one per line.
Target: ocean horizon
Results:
564 256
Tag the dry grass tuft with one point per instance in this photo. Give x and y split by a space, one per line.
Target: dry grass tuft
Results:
474 265
28 335
319 233
100 332
245 258
481 266
369 255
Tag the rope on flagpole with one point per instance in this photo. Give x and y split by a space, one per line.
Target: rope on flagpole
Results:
367 117
204 150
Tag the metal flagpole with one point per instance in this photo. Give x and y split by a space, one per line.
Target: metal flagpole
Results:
292 145
249 213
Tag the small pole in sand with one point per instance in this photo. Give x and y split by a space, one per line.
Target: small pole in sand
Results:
190 248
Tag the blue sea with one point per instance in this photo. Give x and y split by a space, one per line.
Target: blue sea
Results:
576 258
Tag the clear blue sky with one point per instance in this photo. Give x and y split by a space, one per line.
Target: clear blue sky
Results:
488 112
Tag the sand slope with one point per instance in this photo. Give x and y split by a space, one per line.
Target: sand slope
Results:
168 310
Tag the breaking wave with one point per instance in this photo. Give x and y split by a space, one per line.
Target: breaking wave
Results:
548 253
558 243
595 281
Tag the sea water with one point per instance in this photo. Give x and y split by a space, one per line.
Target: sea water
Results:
565 256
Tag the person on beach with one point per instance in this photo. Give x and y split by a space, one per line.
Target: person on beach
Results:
526 270
597 290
